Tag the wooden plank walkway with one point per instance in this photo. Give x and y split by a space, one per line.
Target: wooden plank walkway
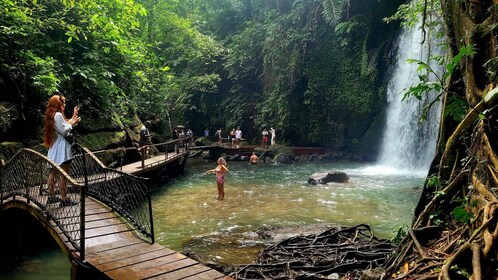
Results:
115 250
154 162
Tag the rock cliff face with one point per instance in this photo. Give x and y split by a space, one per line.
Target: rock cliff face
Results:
111 131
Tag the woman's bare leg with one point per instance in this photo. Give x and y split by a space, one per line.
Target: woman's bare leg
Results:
51 182
221 191
63 180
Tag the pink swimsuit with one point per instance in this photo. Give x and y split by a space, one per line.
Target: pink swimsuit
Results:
220 178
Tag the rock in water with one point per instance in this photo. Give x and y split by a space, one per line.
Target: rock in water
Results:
327 177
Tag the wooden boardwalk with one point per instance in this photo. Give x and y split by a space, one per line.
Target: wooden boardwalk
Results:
115 250
215 151
154 162
99 240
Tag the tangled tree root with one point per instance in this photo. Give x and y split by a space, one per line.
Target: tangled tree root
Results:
463 250
345 251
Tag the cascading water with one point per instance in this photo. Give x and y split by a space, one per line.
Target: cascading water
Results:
408 143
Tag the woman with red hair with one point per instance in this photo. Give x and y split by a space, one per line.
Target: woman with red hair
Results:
59 150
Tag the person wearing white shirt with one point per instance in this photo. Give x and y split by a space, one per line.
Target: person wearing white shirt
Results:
238 137
57 126
273 136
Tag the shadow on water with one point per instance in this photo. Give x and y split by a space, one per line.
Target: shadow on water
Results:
46 264
189 218
28 251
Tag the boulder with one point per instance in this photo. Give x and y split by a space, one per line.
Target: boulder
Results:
327 177
197 153
284 158
202 141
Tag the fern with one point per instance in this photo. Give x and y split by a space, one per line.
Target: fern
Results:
332 11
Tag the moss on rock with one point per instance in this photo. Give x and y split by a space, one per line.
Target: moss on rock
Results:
101 140
107 122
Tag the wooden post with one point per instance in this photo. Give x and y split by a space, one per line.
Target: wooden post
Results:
142 150
1 183
121 159
151 218
25 176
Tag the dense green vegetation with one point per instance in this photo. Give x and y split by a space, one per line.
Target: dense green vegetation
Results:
314 70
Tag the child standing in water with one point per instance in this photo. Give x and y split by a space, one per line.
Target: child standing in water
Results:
220 172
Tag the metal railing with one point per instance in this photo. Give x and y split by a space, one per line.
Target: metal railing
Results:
26 175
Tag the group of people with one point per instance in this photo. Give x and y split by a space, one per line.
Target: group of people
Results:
57 127
265 137
181 133
234 137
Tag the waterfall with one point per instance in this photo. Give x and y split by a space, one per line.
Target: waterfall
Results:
409 144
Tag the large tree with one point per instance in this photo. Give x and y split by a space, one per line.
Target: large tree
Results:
454 233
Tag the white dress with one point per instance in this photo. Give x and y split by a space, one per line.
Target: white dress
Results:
60 151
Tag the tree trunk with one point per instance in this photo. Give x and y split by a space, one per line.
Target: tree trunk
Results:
464 204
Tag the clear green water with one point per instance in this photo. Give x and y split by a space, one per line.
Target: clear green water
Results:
188 216
49 264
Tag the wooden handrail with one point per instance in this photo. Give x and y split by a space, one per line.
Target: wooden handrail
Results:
140 149
135 148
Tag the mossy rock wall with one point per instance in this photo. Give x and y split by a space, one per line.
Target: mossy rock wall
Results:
109 131
102 140
340 101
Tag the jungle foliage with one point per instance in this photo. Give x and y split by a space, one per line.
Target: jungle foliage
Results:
313 70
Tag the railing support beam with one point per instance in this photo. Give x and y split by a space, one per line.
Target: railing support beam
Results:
151 219
142 151
82 207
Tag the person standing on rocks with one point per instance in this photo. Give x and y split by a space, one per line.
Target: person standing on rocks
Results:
238 137
218 134
273 136
265 138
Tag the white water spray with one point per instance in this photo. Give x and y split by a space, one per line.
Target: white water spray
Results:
409 144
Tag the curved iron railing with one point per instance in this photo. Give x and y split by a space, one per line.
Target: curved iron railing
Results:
126 194
26 175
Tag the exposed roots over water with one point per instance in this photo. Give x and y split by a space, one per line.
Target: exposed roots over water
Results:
344 251
455 236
